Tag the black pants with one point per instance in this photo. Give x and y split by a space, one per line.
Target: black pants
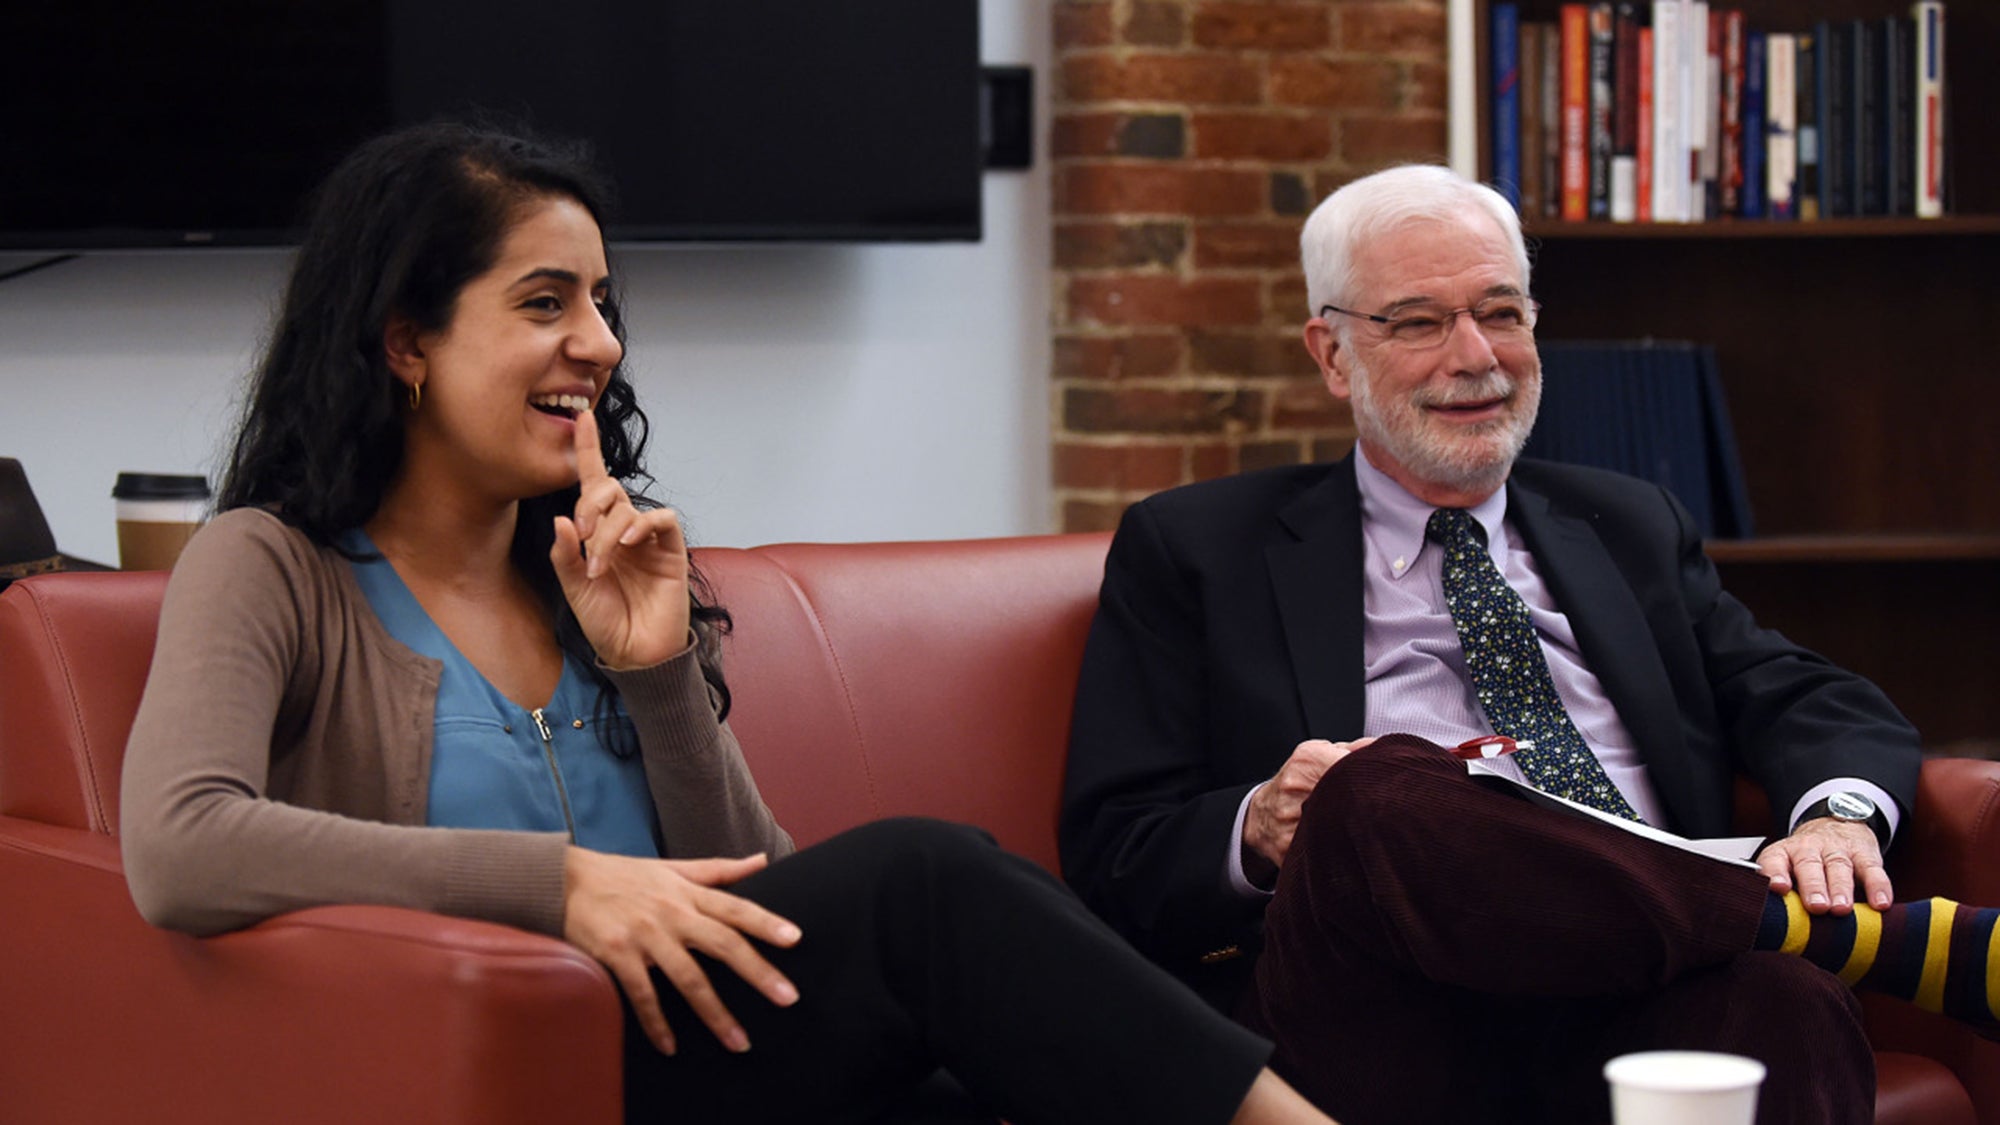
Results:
926 946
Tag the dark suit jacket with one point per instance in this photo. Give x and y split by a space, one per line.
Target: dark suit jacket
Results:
1229 630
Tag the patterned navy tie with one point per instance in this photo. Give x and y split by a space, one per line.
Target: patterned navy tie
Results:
1509 672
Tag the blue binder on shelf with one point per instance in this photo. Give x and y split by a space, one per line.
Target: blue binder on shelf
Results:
1652 409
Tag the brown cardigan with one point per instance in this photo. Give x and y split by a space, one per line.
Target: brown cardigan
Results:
281 756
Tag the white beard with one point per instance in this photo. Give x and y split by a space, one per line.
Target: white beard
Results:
1463 459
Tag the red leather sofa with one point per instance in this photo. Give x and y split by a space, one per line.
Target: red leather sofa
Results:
870 680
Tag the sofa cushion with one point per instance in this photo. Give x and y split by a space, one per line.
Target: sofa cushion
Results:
845 649
77 650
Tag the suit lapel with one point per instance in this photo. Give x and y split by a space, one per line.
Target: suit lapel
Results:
1316 574
1610 628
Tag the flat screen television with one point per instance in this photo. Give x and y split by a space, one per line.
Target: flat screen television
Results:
206 122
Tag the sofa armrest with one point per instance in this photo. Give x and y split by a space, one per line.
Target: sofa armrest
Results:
1950 849
337 1014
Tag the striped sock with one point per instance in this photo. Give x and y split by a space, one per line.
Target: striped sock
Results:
1937 954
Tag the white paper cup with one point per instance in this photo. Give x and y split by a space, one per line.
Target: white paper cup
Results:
157 514
1684 1088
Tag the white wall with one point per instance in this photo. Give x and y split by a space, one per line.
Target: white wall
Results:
797 392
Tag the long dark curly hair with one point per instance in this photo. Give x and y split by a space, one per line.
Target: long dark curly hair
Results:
398 229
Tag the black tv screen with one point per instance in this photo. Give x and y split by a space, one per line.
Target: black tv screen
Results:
208 121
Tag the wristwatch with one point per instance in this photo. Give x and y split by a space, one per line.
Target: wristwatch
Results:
1856 808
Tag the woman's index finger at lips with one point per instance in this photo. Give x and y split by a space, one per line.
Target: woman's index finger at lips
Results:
589 451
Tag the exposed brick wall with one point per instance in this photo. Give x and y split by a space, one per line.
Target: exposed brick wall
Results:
1190 139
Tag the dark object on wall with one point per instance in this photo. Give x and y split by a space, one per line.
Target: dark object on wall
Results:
1652 409
200 122
1007 116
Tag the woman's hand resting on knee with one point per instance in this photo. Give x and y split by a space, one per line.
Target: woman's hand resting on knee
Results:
634 914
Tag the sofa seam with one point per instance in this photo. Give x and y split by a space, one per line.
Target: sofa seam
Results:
94 814
846 688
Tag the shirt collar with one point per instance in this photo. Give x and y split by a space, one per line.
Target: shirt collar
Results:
1394 521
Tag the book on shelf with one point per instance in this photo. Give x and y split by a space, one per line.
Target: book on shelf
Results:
1836 118
1754 76
1899 83
1707 137
1729 175
1625 111
1597 23
1642 191
1695 116
1530 102
1552 64
1928 138
1505 115
1575 112
1781 109
1806 128
1871 108
1670 151
1673 111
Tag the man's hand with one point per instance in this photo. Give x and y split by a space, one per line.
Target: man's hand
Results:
1823 859
1273 815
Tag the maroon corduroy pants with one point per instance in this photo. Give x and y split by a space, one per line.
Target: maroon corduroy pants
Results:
1438 951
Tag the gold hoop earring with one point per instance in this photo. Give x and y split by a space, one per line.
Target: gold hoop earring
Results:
416 395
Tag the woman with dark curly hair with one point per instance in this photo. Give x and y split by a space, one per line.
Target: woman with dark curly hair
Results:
434 653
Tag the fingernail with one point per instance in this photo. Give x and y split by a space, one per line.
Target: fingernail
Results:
736 1040
788 933
632 535
1881 900
1816 899
787 995
1840 900
666 1046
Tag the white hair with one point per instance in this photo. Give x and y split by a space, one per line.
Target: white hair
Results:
1376 203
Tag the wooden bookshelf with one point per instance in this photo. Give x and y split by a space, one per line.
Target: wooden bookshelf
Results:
1860 382
1783 550
1951 226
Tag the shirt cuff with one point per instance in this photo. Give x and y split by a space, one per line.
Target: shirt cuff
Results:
1869 789
1232 867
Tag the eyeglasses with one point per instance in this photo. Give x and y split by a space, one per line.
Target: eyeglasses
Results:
1500 319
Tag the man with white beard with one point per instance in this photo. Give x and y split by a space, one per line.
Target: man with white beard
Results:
1420 946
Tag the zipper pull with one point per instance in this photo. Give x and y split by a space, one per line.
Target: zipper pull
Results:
541 725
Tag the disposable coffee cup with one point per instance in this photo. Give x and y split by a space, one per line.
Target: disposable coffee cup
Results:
157 514
1683 1088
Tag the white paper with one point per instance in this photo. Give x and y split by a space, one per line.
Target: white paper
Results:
1735 850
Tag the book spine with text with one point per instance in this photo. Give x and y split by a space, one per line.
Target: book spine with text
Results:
1552 64
1871 120
1575 113
1670 154
1754 77
1806 76
1505 108
1781 108
1899 77
1530 101
1624 111
1602 88
1929 128
1729 174
1699 114
1642 202
1836 118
